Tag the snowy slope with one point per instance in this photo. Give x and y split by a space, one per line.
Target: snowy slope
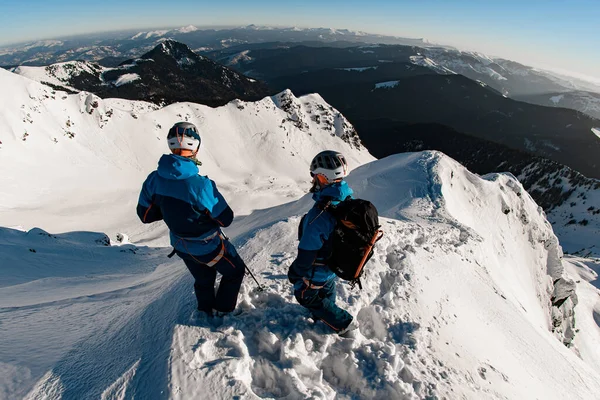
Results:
466 296
588 309
257 150
456 304
60 74
572 202
586 102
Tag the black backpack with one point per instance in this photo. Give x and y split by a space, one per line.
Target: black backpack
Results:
355 233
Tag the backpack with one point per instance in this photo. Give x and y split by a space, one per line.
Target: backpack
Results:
352 240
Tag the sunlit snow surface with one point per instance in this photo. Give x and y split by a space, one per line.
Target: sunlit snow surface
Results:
126 78
456 299
358 69
386 85
556 99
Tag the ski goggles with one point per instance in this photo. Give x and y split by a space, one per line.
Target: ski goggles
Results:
178 131
320 179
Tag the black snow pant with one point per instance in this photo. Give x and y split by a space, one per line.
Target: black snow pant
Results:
232 269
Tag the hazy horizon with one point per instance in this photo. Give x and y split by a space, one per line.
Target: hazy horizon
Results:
547 34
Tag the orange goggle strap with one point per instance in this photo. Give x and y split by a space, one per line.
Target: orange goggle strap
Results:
184 152
322 180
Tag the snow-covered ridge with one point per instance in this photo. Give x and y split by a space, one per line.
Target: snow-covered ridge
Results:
485 210
312 109
424 61
187 29
572 202
115 137
60 74
452 62
148 35
170 72
456 303
586 102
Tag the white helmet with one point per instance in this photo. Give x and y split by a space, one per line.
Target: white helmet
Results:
184 136
330 164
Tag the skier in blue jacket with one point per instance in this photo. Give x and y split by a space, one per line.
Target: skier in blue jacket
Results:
314 282
194 211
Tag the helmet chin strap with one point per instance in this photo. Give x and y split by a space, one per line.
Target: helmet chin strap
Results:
188 154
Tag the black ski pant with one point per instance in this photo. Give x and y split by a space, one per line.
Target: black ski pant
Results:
232 269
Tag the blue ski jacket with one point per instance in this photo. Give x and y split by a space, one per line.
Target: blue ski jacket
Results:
315 248
190 205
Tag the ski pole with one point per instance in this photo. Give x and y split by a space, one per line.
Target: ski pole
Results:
260 288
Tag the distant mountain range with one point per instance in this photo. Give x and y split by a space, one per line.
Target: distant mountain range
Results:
586 102
400 98
131 44
169 73
400 83
393 82
232 46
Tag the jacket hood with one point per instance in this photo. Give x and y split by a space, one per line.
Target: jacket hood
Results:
335 192
174 167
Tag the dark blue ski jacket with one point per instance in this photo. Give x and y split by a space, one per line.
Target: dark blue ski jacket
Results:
190 205
315 247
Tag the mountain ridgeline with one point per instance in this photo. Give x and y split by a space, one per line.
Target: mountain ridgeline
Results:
169 73
387 82
400 98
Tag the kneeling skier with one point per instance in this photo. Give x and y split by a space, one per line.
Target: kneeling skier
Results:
314 282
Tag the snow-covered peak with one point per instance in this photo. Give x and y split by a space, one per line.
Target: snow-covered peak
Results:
484 210
470 64
311 110
151 34
180 52
186 29
424 61
60 74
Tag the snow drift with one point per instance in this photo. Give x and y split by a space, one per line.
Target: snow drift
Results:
455 303
465 297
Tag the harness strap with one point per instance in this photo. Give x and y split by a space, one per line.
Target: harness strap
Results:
211 237
309 285
378 235
212 262
219 256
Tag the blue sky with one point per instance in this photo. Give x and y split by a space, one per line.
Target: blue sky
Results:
561 34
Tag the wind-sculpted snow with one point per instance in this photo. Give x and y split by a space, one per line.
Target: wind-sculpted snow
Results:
456 304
